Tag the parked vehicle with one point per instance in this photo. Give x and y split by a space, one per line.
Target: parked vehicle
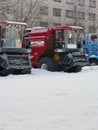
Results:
13 58
91 48
57 48
88 36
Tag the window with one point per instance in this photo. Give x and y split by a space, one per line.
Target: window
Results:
44 10
91 29
56 24
92 16
43 24
92 3
57 0
81 2
81 15
69 1
56 12
69 13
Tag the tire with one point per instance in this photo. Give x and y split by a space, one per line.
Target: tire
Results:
23 71
74 69
3 72
48 64
93 62
3 68
77 68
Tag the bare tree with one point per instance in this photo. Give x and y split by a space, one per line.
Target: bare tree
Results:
26 11
5 8
21 10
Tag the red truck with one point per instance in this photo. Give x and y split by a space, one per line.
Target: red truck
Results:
57 48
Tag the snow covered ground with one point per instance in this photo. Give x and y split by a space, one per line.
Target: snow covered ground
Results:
46 100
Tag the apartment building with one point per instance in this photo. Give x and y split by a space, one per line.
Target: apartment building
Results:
69 12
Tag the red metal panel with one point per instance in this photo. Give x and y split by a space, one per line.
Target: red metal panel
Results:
67 27
13 23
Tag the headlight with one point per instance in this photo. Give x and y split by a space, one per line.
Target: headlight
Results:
56 57
30 57
29 50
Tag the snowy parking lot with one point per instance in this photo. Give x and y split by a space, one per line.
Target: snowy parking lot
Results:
46 100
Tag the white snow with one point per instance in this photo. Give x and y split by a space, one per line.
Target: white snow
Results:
46 100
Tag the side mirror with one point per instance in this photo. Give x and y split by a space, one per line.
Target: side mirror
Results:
27 43
79 45
84 42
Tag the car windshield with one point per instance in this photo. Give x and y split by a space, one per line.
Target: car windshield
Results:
88 36
69 38
10 36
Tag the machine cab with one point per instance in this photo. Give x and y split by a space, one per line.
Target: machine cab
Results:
11 34
68 36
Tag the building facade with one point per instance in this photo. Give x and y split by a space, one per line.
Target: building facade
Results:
69 12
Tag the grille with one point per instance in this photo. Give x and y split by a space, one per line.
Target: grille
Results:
18 60
80 59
